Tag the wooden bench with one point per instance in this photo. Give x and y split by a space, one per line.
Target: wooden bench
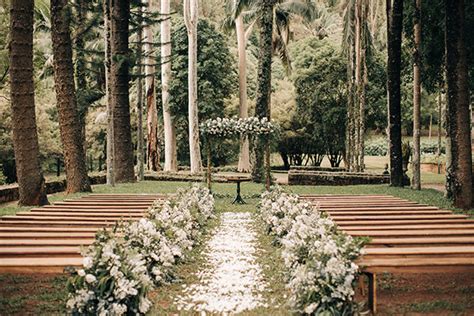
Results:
405 237
47 239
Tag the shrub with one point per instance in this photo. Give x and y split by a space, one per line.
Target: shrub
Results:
376 148
122 265
319 258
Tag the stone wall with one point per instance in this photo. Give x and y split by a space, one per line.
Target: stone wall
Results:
10 192
335 178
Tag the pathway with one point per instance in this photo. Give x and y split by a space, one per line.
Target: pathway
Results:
232 281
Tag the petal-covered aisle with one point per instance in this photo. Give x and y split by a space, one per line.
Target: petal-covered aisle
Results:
232 280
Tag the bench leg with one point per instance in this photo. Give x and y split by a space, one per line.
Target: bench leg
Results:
372 277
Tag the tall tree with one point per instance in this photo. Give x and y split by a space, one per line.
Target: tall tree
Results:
70 128
416 96
108 97
119 89
356 41
394 45
459 171
264 75
25 136
191 21
171 160
153 151
140 138
244 154
79 63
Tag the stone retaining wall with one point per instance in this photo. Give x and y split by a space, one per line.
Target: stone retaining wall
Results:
10 193
335 178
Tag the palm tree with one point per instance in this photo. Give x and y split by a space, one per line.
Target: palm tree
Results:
108 97
119 75
191 21
70 129
150 88
459 171
273 18
416 96
394 35
171 161
31 183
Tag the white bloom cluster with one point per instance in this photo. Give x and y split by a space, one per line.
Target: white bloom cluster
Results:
114 280
319 258
222 127
122 265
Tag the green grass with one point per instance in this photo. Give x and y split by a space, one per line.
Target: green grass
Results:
227 191
32 295
436 306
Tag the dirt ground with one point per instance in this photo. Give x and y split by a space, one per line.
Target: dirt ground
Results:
425 294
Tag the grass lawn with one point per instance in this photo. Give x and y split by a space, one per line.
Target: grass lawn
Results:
45 295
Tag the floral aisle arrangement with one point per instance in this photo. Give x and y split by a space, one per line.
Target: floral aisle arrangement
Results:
123 265
318 257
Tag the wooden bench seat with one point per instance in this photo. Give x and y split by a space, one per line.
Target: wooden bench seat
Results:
404 236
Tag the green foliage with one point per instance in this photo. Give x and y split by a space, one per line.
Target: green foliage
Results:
217 77
377 147
320 83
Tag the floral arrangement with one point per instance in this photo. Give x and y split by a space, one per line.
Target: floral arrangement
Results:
318 257
124 264
223 127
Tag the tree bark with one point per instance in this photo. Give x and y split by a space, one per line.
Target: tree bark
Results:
171 160
80 67
393 84
108 97
140 140
264 84
69 124
191 21
31 183
358 81
153 151
416 97
244 154
119 73
440 129
459 172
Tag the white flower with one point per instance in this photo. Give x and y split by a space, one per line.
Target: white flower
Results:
90 278
87 262
81 272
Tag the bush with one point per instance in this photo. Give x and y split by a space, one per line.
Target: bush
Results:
318 257
376 148
123 265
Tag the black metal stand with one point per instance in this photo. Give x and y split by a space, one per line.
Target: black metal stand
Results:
238 199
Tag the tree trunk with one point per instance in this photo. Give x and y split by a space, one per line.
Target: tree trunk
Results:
440 129
244 155
171 160
70 128
393 84
264 84
358 82
153 151
417 97
22 92
123 162
140 140
191 21
459 172
80 67
108 97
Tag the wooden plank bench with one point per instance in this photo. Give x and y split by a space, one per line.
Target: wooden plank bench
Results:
47 239
405 237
